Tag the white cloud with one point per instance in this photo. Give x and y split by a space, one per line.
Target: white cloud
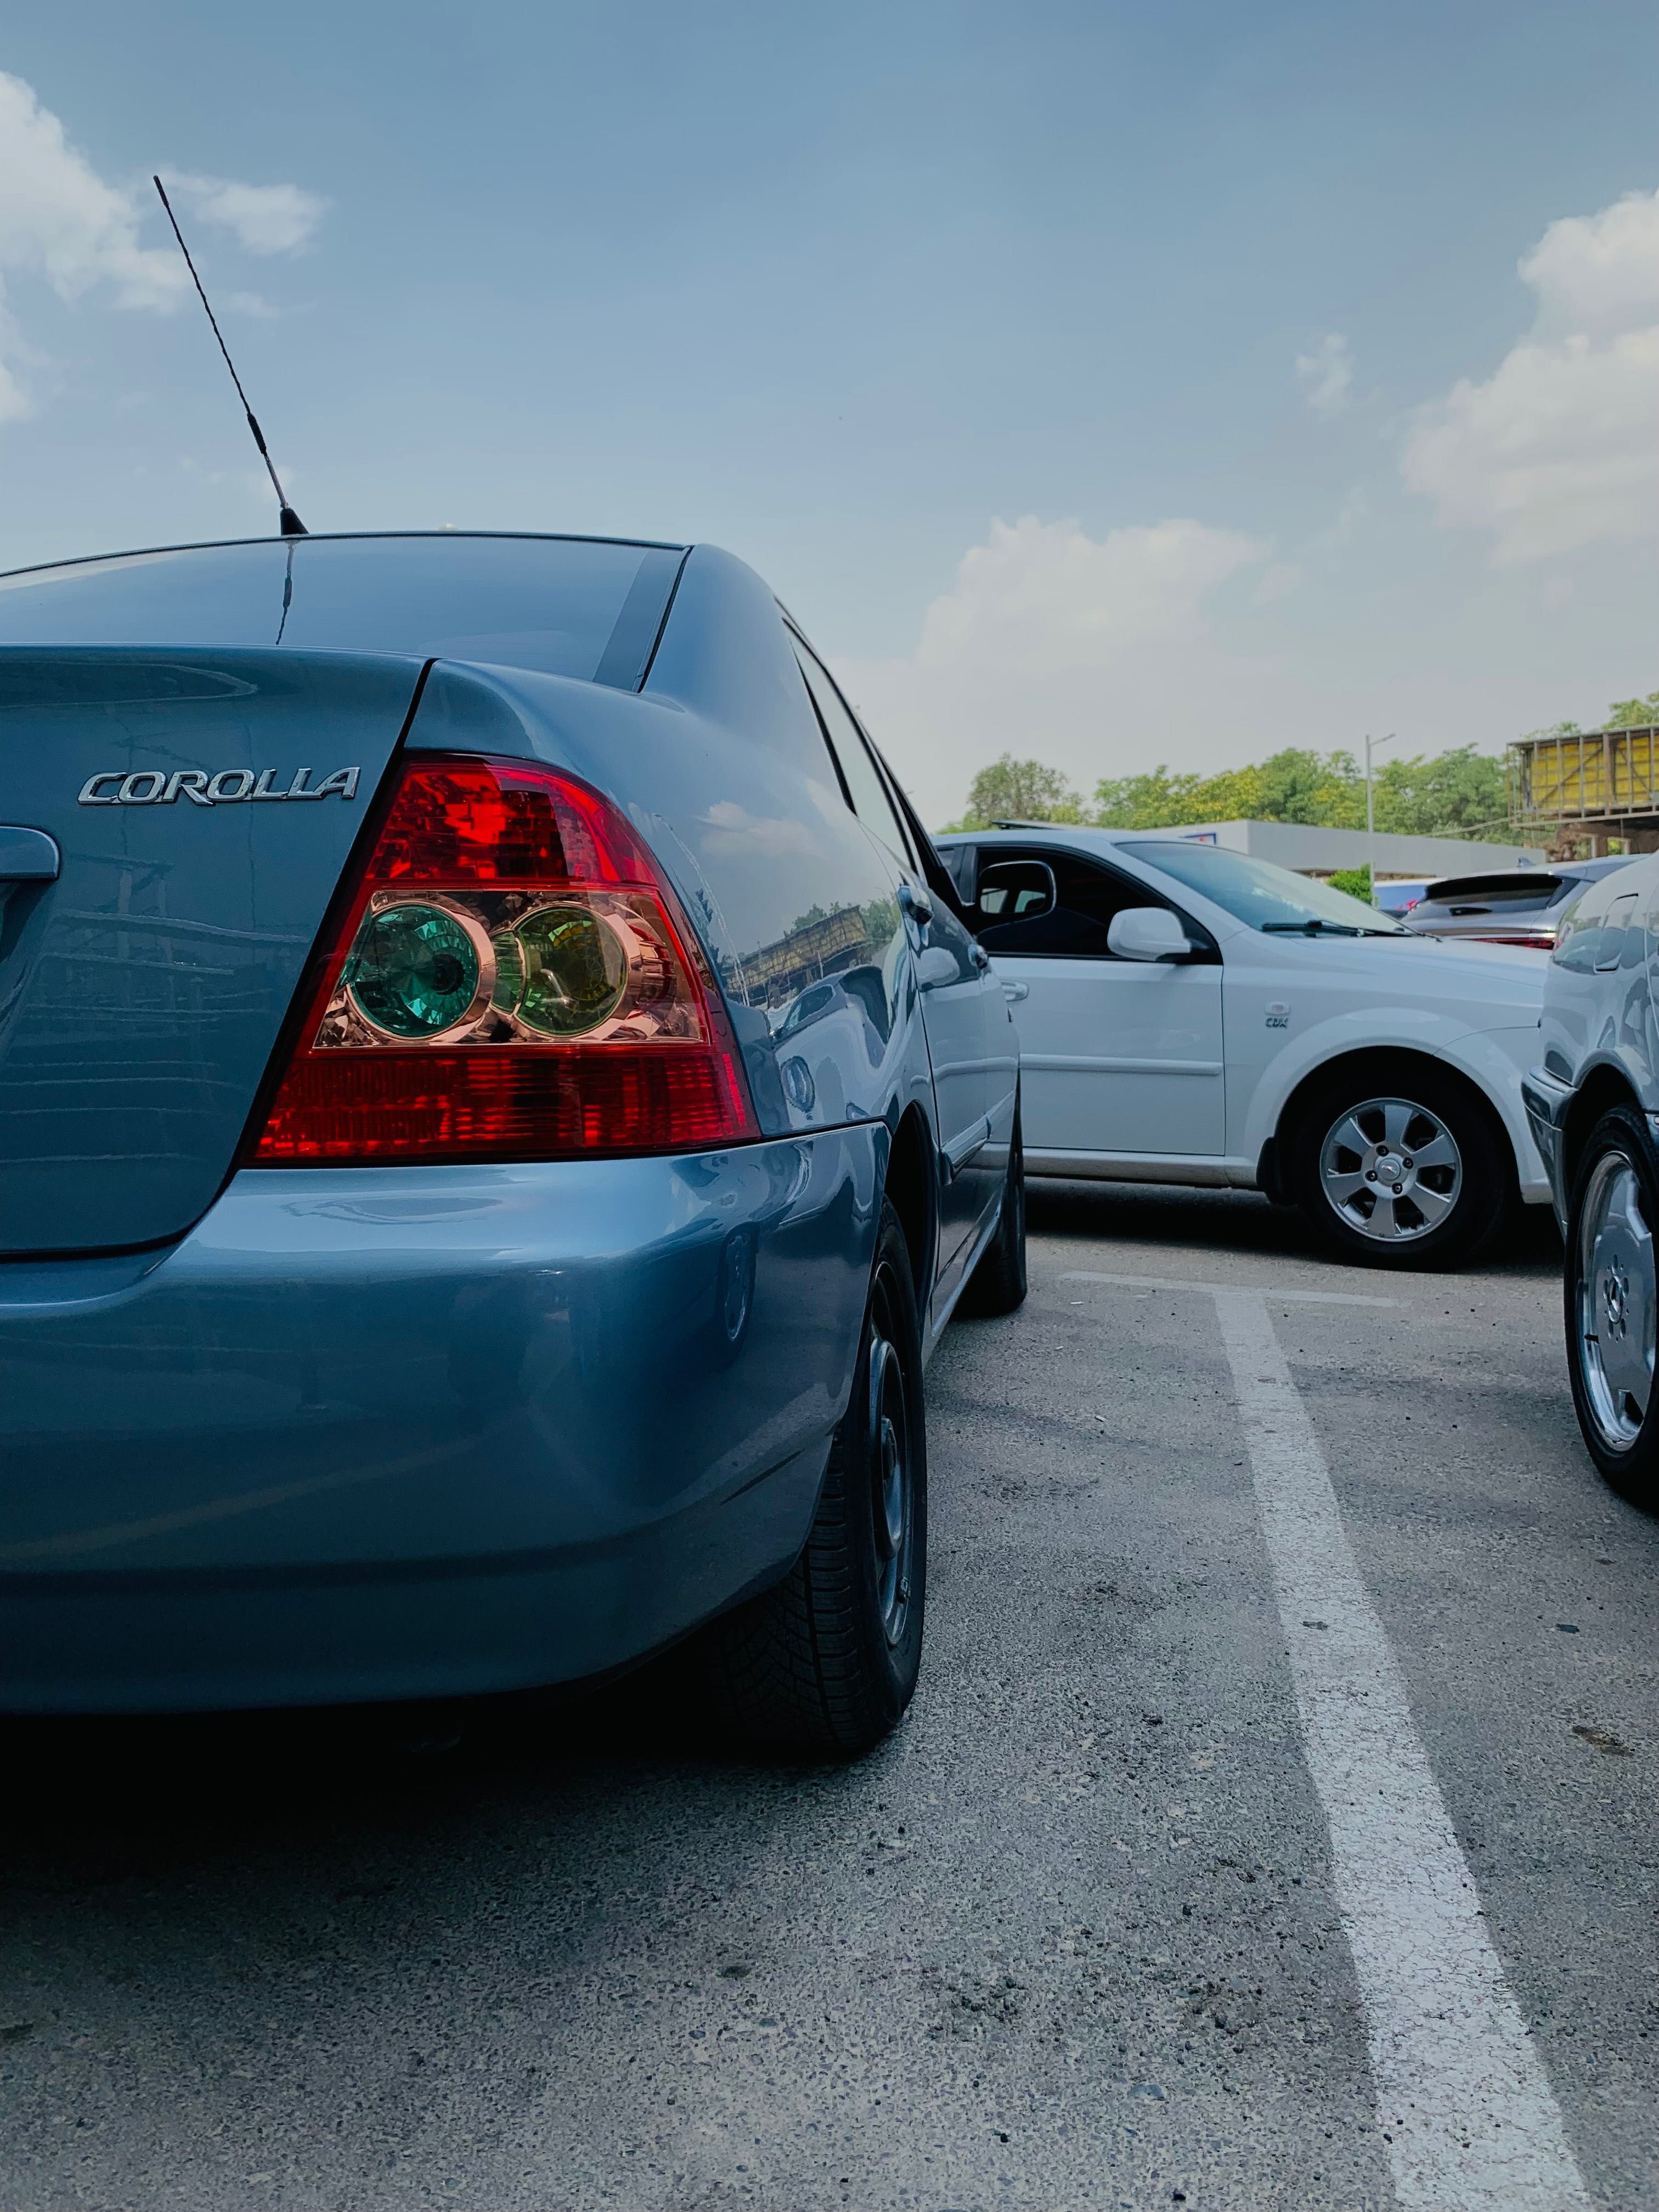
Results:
1327 375
1599 272
1042 595
62 222
1559 448
262 218
1054 644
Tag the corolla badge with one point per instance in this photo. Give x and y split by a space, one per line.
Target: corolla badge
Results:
154 786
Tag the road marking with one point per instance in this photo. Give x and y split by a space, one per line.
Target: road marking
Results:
1471 2120
1228 1289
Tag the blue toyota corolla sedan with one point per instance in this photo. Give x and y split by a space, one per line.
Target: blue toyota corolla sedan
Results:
497 1102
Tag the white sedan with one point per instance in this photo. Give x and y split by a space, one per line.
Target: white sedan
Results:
1189 1015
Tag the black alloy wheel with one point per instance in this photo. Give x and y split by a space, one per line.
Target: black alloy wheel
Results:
997 1285
822 1665
1395 1163
1610 1303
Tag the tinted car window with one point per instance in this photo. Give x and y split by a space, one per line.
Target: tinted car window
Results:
567 606
1087 896
869 793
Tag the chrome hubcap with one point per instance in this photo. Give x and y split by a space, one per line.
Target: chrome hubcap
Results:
892 1505
1615 1302
1391 1169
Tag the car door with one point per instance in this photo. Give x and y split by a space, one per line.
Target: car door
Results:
1116 1055
958 992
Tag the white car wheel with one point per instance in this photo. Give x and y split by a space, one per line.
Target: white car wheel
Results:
1401 1166
1391 1169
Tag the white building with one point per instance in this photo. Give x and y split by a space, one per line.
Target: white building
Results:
1314 852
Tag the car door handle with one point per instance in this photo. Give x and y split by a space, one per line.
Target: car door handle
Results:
27 856
916 904
1016 990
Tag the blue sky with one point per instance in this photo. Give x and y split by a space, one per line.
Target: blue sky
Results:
977 330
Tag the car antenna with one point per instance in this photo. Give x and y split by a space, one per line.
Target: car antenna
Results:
289 521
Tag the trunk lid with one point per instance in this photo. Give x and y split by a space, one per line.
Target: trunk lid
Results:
142 991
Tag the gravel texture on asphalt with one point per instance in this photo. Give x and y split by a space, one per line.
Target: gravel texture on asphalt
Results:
1068 1941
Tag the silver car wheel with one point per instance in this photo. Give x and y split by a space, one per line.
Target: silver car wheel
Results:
1390 1169
1615 1301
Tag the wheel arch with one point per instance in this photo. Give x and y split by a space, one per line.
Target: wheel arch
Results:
1372 1064
911 1184
1605 1087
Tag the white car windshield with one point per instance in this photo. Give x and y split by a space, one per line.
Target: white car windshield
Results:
1266 898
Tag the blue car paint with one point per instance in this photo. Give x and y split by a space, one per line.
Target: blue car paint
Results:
756 839
367 1432
140 994
749 839
387 1432
585 607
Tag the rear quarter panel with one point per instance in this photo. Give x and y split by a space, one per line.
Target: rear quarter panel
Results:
721 767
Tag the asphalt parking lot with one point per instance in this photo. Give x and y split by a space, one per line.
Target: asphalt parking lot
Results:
1277 1814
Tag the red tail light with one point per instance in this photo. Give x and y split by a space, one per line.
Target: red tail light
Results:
513 981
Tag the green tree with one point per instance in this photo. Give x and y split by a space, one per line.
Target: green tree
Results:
1013 790
1357 882
1161 800
1325 788
1457 793
1451 794
1633 713
1150 801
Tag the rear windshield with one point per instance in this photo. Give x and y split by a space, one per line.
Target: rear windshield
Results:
569 606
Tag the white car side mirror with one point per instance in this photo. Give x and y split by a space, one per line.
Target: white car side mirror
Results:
1148 932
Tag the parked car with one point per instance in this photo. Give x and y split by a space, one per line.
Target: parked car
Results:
1522 905
1189 1015
437 1259
1594 1103
1399 899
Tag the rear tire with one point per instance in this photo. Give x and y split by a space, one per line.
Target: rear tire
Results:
997 1285
1396 1165
1610 1304
822 1665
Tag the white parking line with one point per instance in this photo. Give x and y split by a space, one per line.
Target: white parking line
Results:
1470 2121
1217 1289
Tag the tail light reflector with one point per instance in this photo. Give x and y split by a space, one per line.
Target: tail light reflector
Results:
513 980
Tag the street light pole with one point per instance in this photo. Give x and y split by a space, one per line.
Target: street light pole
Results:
1371 811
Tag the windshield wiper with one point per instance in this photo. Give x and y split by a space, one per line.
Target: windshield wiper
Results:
1316 925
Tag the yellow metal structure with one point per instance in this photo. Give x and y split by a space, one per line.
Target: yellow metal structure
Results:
1599 776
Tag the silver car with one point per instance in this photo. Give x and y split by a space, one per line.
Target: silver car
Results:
1518 906
1593 1101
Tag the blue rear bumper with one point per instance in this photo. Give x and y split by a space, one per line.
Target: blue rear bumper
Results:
394 1432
